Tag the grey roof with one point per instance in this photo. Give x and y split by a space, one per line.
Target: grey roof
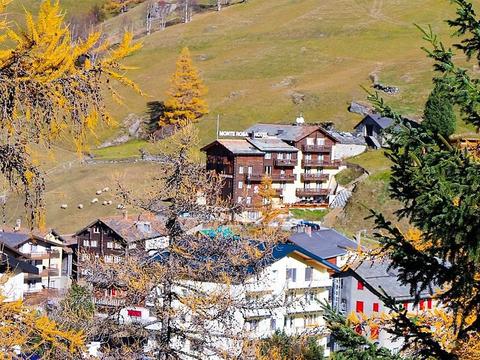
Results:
14 239
272 144
376 274
381 121
326 243
347 137
10 263
284 131
239 147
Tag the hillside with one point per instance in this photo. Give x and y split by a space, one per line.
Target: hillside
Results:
256 57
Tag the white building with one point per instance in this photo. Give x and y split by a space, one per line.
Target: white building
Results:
46 255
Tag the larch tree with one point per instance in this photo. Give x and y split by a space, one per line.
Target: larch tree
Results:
438 186
439 116
197 285
51 87
25 333
185 103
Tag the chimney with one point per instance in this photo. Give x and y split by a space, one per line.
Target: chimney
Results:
125 214
308 230
18 225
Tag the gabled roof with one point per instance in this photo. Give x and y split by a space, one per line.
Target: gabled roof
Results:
272 144
286 132
17 239
379 278
381 121
325 243
9 263
235 146
130 228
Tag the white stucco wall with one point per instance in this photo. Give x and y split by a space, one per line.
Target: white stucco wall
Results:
13 287
343 151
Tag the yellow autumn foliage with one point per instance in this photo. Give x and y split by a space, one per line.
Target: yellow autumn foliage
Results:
185 103
51 86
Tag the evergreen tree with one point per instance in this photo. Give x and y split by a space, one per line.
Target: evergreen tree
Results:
438 186
439 116
185 104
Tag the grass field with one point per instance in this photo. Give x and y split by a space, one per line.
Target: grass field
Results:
77 184
253 56
327 48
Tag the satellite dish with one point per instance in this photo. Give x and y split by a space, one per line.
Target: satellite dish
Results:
300 119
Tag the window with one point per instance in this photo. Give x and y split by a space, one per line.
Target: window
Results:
268 156
96 230
273 324
320 141
86 243
250 170
239 199
255 189
359 307
240 184
292 275
376 307
288 156
282 172
268 170
117 259
134 313
359 285
308 274
310 141
249 186
132 246
109 244
309 320
93 243
252 215
429 304
254 324
248 200
108 258
309 296
308 157
117 245
320 158
280 156
240 169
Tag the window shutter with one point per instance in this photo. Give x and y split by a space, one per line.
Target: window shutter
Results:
359 285
359 306
376 307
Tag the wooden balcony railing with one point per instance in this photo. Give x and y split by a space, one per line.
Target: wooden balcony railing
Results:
44 255
286 162
322 163
312 192
314 177
283 177
316 148
109 301
254 177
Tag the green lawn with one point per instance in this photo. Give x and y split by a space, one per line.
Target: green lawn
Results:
309 215
346 176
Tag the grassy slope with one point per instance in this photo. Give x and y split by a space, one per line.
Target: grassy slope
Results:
329 47
372 193
77 185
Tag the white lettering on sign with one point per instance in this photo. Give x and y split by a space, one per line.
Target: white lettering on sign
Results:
260 134
233 133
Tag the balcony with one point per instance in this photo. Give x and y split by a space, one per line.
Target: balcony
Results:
44 255
314 177
109 301
286 162
316 148
283 177
254 177
312 192
322 163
